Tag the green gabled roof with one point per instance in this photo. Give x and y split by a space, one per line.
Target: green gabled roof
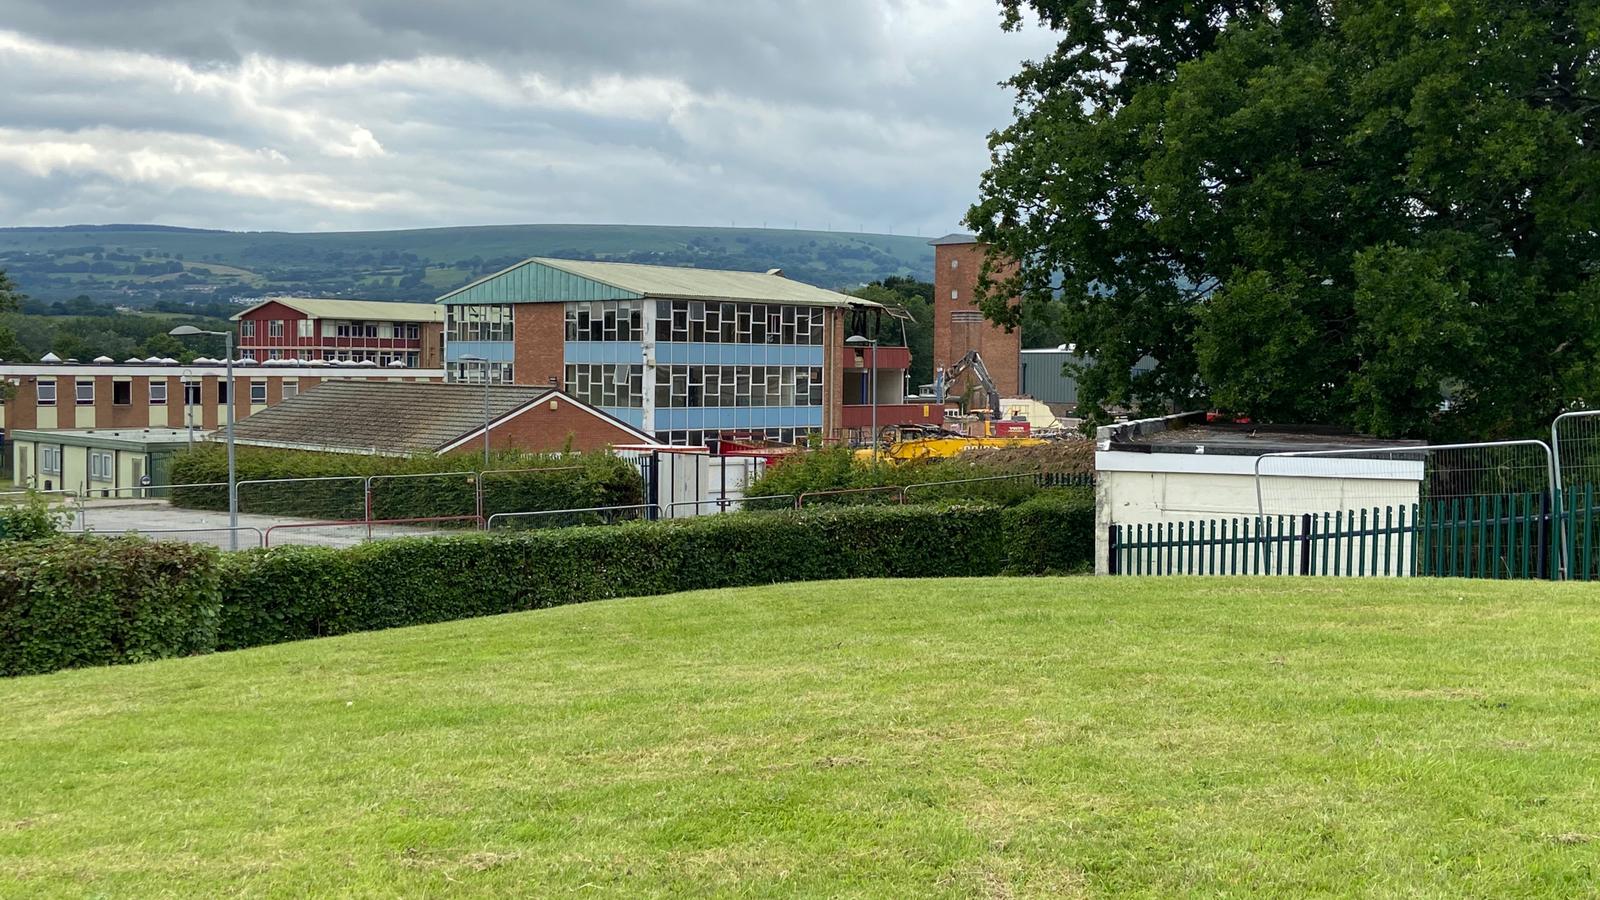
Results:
559 280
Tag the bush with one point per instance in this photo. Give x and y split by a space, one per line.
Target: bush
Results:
838 469
32 519
583 481
1052 534
86 601
301 592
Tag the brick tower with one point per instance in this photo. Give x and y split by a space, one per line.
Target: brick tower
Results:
958 325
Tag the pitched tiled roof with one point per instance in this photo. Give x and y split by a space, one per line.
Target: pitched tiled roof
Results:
388 417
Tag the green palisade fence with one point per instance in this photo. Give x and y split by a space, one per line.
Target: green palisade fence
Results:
1509 536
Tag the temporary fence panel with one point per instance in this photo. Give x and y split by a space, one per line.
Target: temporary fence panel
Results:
565 518
331 497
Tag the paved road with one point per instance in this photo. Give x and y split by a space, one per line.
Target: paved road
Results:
158 519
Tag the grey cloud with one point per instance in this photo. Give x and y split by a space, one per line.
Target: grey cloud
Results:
361 114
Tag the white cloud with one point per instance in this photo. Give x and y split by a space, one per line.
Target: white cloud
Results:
870 115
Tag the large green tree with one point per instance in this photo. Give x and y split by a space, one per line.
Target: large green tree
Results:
1361 212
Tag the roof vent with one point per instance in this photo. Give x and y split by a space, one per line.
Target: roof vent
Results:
153 360
133 359
49 358
777 272
102 360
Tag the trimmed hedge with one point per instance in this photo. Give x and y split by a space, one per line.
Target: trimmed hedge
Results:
1052 534
291 593
86 601
839 469
586 480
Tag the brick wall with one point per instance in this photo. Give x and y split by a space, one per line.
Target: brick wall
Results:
1001 352
548 425
538 332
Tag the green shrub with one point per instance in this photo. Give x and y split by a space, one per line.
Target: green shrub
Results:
428 488
1052 534
86 601
291 593
928 481
32 519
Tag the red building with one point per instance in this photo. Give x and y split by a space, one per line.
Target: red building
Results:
343 330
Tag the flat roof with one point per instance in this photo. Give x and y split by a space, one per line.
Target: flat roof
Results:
121 438
315 369
1192 433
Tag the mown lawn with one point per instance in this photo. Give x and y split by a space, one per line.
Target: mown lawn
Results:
1029 737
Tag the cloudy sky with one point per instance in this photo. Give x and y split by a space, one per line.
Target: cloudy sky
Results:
309 115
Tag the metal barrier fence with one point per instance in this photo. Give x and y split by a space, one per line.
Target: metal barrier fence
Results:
225 535
633 507
367 524
732 504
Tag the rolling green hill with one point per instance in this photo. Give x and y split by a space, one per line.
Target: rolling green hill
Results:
138 265
939 738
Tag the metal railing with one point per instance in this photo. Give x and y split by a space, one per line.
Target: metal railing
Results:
367 523
223 530
489 524
899 493
723 504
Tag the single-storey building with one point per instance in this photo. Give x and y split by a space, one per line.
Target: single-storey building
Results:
111 462
1188 468
410 418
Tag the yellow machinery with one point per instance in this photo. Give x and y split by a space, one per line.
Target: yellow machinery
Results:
907 445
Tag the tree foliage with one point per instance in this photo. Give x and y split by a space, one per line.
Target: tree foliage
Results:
1338 212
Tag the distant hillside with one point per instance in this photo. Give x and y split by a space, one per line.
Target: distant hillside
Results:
140 265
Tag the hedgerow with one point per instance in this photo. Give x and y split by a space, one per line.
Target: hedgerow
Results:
837 476
299 592
86 601
1051 534
432 486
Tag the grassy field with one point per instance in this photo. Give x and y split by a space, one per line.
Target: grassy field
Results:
942 738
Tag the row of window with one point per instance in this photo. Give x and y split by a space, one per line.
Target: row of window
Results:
710 322
605 384
605 320
306 328
122 392
102 463
738 386
478 323
381 357
473 372
695 438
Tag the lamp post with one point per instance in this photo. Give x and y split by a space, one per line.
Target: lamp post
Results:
233 471
858 340
485 362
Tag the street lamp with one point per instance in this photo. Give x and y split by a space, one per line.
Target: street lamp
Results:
233 471
485 362
858 340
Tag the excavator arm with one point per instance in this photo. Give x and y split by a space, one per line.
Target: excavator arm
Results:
973 363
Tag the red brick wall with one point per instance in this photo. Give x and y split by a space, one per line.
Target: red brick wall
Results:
539 331
1001 352
833 374
544 428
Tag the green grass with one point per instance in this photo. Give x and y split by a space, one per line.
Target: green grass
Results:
1039 737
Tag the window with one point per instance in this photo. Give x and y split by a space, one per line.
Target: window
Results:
274 354
158 392
222 390
966 316
291 388
85 393
483 323
413 332
47 392
472 372
247 328
386 329
101 465
258 392
305 328
695 321
275 328
605 384
955 263
955 294
725 386
50 460
122 393
605 320
191 393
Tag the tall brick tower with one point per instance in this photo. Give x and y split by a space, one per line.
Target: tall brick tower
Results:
958 325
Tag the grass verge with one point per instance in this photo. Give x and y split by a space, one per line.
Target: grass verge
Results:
999 737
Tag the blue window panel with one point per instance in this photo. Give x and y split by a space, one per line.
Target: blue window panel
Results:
624 352
634 417
738 355
494 351
739 418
